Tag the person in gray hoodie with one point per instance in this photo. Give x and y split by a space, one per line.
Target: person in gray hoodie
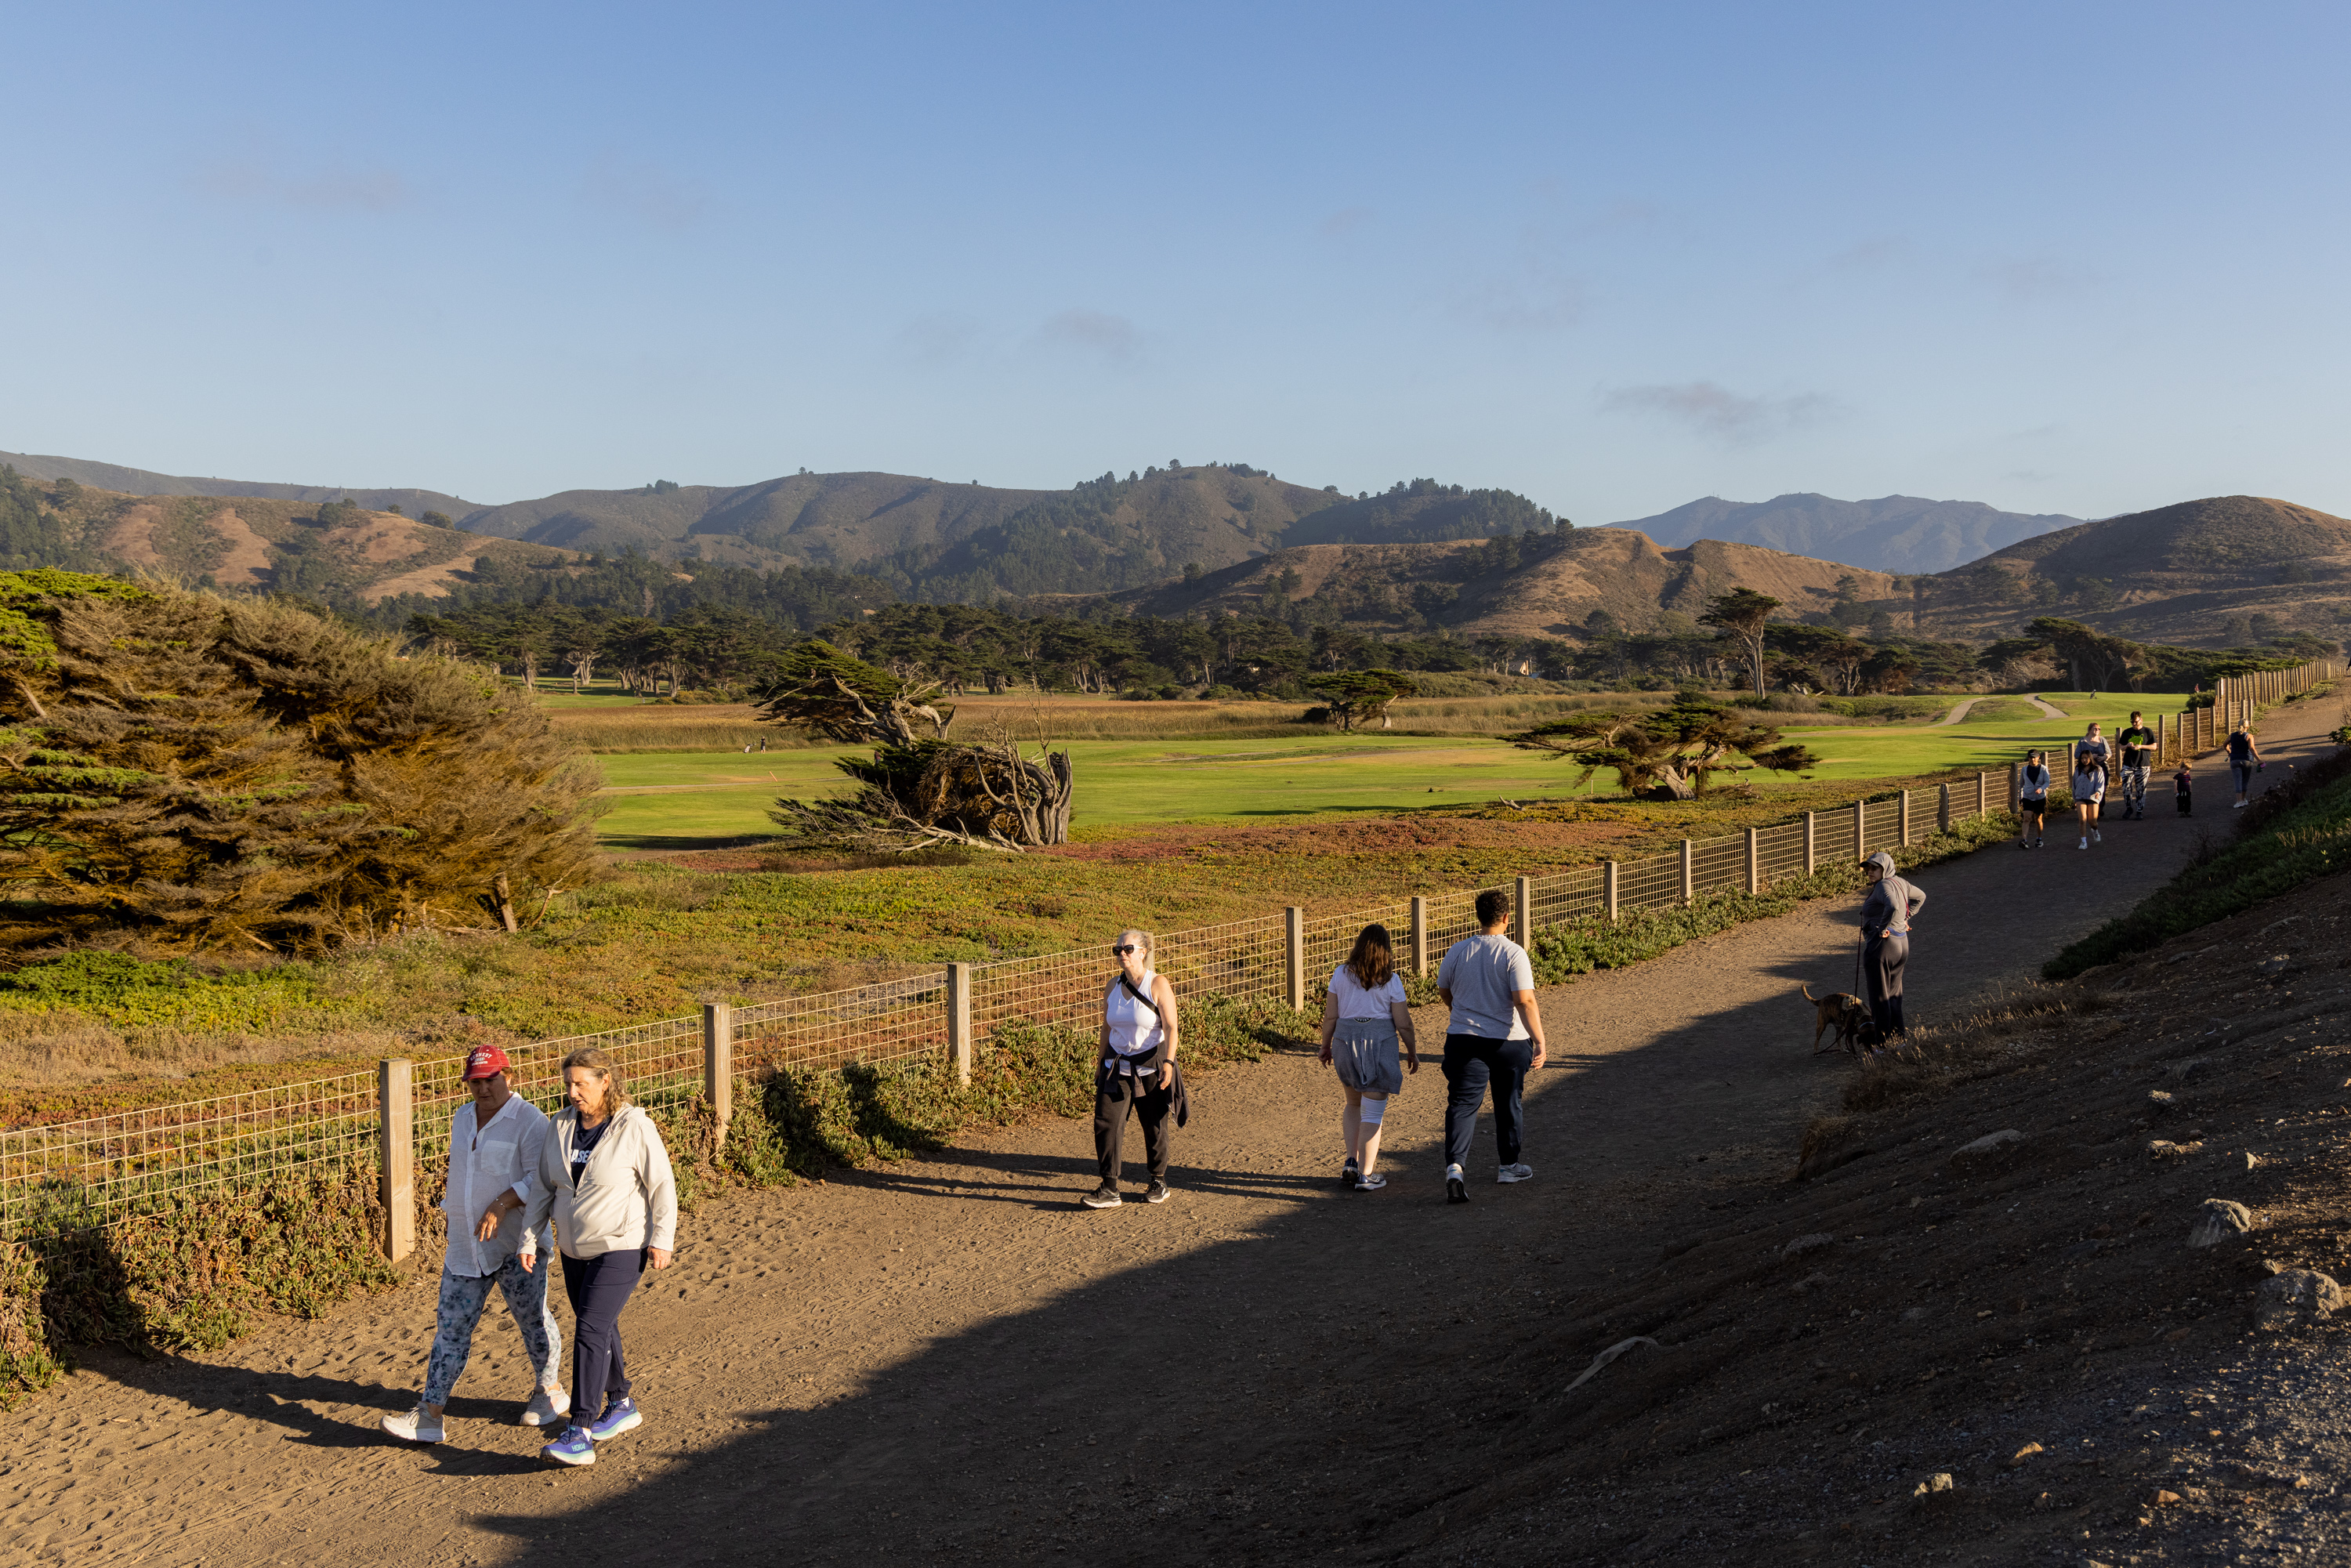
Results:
1886 915
605 1176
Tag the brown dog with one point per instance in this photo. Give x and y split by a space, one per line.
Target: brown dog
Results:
1839 1011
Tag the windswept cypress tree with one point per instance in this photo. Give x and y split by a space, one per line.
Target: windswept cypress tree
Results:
203 774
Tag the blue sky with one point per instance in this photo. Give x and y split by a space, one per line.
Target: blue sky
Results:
2080 258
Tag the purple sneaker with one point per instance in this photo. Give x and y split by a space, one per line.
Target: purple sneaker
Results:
620 1416
574 1447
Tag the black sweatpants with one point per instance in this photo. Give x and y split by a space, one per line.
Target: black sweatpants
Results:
1472 1062
1114 1094
598 1289
1881 965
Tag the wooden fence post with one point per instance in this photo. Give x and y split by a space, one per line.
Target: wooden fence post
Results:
1754 864
2015 776
1294 921
1860 829
1984 793
1420 936
960 1019
1906 819
1689 883
1943 810
395 1097
1524 898
718 1069
1608 888
1810 840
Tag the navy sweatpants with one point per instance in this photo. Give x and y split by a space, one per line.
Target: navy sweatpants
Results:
598 1289
1472 1063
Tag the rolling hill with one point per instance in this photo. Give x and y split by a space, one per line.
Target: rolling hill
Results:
2222 571
143 482
1547 585
1894 533
324 549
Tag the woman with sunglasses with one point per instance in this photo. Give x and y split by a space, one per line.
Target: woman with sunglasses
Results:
1137 1070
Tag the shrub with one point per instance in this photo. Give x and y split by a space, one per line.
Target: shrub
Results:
204 774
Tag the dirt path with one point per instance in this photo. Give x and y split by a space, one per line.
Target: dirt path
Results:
1959 711
947 1361
2045 706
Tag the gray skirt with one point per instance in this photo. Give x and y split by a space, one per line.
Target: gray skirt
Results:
1365 1052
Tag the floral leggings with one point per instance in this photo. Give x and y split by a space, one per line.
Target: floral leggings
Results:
463 1297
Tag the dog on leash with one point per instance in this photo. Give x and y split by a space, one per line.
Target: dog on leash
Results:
1843 1012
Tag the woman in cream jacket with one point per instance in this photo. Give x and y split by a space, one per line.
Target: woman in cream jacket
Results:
605 1176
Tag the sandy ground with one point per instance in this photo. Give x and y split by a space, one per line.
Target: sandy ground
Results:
948 1361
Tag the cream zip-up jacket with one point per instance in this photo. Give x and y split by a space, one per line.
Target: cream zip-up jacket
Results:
627 1195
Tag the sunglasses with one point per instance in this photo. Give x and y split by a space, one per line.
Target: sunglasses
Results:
1123 949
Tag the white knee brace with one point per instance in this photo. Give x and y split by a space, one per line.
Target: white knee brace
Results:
1373 1111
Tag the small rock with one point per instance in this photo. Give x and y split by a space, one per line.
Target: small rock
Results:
2165 1498
2187 1068
2272 967
2165 1149
1803 1244
1809 1283
1992 1146
2253 1161
2220 1221
1915 1315
1940 1481
2024 1453
2296 1298
2160 1101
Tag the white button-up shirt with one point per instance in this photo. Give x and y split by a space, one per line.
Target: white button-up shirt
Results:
500 1158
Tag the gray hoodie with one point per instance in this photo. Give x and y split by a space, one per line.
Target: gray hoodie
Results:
1889 906
627 1195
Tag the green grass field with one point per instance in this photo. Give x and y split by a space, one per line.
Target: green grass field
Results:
679 799
672 799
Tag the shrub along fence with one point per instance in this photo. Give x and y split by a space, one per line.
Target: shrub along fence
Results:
106 1169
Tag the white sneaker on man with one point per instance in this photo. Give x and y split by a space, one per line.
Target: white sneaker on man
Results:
1515 1173
414 1427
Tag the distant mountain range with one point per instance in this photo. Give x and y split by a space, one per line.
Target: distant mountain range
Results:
928 539
1905 534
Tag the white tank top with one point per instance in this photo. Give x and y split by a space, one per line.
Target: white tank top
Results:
1134 1029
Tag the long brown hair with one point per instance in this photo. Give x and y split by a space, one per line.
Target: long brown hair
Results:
591 1060
1372 961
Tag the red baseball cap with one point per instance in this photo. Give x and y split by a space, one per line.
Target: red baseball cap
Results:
487 1062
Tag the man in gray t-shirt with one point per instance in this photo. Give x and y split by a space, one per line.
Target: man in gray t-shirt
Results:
1495 1037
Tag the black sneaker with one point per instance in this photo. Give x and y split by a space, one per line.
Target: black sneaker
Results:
1158 1193
1349 1172
1456 1189
1103 1196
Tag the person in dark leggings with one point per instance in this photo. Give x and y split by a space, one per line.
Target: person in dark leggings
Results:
1494 1038
606 1175
1886 915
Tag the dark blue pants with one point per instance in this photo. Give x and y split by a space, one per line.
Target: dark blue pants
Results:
1472 1063
598 1289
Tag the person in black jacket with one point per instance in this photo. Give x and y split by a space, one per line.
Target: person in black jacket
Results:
1886 915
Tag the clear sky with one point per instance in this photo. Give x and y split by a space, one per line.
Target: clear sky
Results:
2081 257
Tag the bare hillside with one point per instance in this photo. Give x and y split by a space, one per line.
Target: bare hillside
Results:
2197 573
1550 586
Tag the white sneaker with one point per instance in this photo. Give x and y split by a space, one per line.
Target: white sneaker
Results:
414 1427
1515 1173
2083 845
547 1407
2097 837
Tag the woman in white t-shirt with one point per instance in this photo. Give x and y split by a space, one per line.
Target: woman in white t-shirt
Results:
1363 1017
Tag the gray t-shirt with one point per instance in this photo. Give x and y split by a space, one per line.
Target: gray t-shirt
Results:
1481 972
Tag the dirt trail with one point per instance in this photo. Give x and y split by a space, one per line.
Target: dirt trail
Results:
948 1361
